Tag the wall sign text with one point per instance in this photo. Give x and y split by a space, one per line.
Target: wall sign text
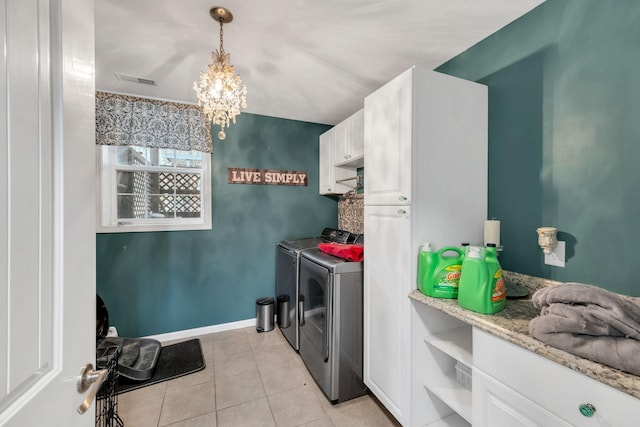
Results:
266 177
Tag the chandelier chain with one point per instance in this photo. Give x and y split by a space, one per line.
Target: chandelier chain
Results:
221 39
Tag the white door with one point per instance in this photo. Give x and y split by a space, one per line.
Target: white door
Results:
47 210
387 308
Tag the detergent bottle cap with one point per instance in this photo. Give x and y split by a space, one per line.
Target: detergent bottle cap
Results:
475 252
425 247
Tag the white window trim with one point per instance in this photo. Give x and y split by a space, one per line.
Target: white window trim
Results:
107 221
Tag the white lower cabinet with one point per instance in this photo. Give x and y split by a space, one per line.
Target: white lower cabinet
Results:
509 387
516 387
495 404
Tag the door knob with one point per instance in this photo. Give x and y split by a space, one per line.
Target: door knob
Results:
92 380
587 409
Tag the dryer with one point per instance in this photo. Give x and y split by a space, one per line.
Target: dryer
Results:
331 323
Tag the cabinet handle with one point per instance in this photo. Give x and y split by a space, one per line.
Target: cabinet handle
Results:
402 212
402 198
587 409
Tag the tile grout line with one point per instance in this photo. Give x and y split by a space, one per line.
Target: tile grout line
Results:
215 379
266 397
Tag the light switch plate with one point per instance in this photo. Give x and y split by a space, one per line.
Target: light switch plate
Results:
557 256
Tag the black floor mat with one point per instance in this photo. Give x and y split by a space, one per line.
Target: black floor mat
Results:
175 361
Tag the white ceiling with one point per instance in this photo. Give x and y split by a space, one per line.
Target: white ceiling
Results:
310 60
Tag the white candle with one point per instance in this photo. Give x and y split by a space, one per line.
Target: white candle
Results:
492 232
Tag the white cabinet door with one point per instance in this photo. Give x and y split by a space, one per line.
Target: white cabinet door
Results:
341 142
349 141
495 404
388 135
357 136
325 168
387 308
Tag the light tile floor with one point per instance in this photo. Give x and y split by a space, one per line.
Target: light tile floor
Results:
250 379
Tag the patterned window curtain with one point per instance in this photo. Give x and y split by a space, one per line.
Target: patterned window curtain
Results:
129 120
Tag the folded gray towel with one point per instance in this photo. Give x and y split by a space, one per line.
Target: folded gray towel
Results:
617 352
572 318
590 322
596 306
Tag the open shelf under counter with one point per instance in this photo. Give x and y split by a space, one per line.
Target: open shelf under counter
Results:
456 342
452 393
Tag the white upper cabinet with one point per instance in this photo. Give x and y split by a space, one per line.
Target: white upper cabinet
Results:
349 141
341 154
330 176
426 137
388 133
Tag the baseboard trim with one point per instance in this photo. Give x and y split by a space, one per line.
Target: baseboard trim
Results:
190 333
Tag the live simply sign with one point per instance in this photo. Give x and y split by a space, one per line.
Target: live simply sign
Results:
266 176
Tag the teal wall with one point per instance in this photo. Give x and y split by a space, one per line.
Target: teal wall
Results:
161 282
564 137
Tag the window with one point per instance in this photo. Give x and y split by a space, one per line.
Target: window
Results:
153 189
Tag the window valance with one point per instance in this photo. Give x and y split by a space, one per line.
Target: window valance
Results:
129 120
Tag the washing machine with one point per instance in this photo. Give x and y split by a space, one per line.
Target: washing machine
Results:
287 277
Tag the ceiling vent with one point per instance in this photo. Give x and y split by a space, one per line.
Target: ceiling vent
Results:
135 79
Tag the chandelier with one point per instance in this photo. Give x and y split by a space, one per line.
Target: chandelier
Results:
220 91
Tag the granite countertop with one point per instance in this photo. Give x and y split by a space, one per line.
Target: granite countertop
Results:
512 324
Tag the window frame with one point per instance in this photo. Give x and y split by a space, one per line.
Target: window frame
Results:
107 220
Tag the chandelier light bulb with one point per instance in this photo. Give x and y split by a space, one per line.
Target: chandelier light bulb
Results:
220 91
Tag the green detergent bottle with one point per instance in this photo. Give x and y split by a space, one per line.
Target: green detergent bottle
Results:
481 285
426 261
499 293
440 272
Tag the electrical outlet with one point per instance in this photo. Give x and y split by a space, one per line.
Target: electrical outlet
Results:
557 256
